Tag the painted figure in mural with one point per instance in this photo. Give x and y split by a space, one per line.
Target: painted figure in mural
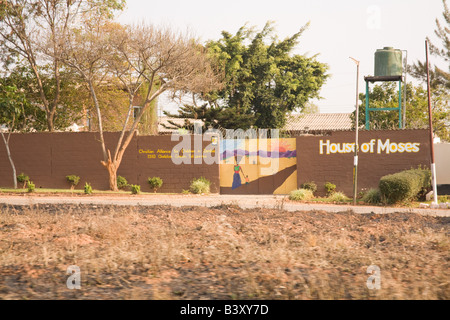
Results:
237 174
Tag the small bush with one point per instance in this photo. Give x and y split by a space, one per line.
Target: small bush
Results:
73 180
135 189
372 196
330 188
309 186
200 185
301 194
338 197
155 183
185 191
87 188
30 186
122 183
23 178
405 185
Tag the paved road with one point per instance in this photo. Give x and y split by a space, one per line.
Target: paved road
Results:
243 201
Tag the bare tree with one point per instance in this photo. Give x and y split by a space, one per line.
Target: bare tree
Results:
13 118
159 57
8 152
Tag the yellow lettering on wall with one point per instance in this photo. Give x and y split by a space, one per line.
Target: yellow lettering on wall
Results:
387 147
383 147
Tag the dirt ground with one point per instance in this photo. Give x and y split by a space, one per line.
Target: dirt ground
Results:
222 252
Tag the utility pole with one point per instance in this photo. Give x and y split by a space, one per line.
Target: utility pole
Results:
404 89
430 117
355 160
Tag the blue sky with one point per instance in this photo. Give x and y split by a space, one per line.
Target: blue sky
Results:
338 30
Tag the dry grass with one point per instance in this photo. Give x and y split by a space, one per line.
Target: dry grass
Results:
219 253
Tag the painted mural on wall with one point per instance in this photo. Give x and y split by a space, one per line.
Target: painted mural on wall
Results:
258 166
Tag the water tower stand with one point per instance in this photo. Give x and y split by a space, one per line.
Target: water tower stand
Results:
384 79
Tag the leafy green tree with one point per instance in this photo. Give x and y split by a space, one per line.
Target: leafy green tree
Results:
264 81
439 77
30 31
386 96
311 108
14 108
73 97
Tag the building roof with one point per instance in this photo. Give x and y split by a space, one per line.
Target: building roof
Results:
295 123
319 121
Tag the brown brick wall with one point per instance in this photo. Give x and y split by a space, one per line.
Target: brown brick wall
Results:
175 177
338 168
49 157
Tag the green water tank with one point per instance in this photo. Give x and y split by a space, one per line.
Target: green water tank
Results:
388 62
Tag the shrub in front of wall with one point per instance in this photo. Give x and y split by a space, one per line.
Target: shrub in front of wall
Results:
155 183
30 186
23 178
301 195
122 183
309 186
87 188
405 185
73 180
135 189
372 196
200 185
338 197
330 188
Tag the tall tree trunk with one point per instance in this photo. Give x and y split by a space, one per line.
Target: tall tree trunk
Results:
153 119
99 116
112 165
45 103
8 152
112 171
50 122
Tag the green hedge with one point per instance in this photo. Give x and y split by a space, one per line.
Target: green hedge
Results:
405 185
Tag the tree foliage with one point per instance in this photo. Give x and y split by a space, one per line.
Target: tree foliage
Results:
386 96
73 97
142 60
264 81
13 117
439 77
14 108
29 34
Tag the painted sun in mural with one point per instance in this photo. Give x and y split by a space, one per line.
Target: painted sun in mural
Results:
283 147
279 145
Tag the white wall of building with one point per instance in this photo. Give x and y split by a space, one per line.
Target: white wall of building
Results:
442 158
